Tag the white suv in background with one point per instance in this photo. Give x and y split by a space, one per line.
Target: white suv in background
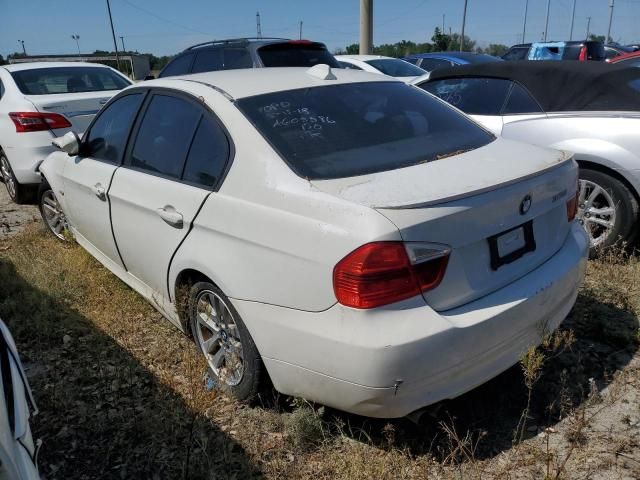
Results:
40 101
394 67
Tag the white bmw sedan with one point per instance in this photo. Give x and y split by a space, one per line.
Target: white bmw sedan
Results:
358 241
40 101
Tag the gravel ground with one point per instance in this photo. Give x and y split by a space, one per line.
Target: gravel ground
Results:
13 218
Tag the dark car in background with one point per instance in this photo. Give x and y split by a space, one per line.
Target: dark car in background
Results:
248 53
432 61
575 50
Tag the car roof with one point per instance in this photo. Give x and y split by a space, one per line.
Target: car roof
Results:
253 41
594 86
625 56
15 67
248 82
363 58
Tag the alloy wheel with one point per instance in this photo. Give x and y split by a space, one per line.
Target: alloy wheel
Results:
7 176
219 338
596 211
53 215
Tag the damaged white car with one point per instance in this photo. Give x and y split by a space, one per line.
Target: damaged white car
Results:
357 240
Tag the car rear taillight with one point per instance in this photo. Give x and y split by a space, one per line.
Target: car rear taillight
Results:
300 42
381 273
583 54
572 207
38 121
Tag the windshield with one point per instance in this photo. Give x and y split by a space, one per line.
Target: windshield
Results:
306 54
360 128
396 68
52 80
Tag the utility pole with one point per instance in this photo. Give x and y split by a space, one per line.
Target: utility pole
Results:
607 40
366 27
76 38
524 23
122 40
573 17
464 20
546 24
588 25
300 30
258 28
113 34
443 15
23 49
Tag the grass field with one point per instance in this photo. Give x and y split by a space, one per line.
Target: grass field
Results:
121 395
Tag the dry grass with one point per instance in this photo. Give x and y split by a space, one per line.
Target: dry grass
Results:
121 393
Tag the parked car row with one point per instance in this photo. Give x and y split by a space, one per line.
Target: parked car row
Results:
361 242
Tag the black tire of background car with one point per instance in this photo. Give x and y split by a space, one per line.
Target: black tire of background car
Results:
44 187
254 371
625 228
23 194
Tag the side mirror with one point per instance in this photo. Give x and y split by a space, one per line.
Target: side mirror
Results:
150 77
69 142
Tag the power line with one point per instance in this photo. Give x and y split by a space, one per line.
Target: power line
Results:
162 19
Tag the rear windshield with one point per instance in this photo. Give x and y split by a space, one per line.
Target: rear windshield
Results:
396 68
360 128
296 55
46 81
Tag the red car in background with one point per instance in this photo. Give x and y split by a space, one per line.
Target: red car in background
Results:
628 59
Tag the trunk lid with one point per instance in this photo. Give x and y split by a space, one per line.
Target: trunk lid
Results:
473 203
79 108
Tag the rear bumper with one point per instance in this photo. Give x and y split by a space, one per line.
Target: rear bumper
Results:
25 155
391 361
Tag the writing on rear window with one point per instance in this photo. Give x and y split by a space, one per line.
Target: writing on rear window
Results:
285 115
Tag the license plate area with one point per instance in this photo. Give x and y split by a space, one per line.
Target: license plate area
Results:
510 245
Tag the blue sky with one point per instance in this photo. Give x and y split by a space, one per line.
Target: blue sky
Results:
168 26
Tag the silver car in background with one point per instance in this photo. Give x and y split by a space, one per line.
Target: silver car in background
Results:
589 108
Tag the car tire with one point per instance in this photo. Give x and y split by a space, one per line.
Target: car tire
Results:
51 212
207 324
615 192
20 194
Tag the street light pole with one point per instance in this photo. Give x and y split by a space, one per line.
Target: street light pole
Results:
573 17
607 40
464 21
122 40
76 38
366 27
588 25
113 34
546 24
300 29
23 49
524 24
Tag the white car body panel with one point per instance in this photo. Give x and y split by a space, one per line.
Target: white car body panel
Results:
360 61
270 240
25 150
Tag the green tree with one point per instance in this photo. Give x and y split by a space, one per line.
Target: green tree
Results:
2 62
496 49
440 41
597 38
353 49
454 43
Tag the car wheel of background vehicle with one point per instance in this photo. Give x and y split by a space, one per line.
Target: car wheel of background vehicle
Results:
234 361
17 192
52 214
607 209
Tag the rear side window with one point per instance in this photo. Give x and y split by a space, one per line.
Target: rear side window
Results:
178 66
208 61
208 155
396 67
430 64
107 136
519 53
48 81
475 96
296 55
349 66
237 58
165 135
360 128
520 101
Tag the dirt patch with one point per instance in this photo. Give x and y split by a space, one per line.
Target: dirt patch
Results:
14 218
121 393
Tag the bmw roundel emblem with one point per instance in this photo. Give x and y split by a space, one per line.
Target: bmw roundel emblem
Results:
525 204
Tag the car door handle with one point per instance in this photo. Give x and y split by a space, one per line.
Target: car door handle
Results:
103 101
171 216
100 192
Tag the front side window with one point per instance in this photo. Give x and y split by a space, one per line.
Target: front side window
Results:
396 68
518 53
53 80
165 135
474 96
359 128
107 136
178 66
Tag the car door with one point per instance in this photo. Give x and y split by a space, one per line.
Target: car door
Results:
87 176
176 160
